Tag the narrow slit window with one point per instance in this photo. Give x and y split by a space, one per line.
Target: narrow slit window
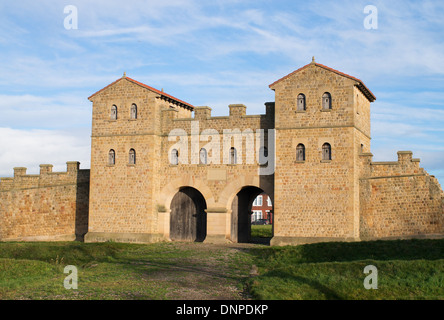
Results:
301 102
326 101
326 151
133 111
203 156
233 155
111 157
113 115
300 152
132 156
174 157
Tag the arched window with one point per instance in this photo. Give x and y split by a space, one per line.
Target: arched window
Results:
133 111
111 157
113 112
233 155
203 156
326 151
300 152
326 101
132 156
301 102
263 155
174 158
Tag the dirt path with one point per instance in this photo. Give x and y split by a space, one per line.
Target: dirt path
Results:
211 272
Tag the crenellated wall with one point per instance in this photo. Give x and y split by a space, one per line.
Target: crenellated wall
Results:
399 199
237 119
46 206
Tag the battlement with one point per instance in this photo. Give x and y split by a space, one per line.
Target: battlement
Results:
45 207
237 118
46 177
405 166
399 199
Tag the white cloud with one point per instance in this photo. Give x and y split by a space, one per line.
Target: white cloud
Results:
387 111
30 148
58 111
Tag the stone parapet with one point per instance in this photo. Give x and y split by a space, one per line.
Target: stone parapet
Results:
50 206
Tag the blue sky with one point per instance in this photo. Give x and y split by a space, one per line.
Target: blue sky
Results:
213 53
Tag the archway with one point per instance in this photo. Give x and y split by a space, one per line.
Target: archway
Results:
241 213
262 219
188 219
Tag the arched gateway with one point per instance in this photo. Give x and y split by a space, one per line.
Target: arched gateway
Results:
241 214
188 219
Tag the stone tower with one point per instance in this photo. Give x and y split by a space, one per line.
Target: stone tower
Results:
322 122
125 148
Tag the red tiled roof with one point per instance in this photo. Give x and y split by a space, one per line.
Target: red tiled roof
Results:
163 94
366 91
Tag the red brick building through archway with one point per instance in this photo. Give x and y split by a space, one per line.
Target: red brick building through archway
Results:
262 208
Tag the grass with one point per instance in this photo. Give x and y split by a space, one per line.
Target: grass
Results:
261 231
117 271
408 269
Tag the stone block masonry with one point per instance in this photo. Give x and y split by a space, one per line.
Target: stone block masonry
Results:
399 199
44 207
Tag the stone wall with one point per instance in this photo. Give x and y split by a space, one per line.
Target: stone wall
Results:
399 199
47 206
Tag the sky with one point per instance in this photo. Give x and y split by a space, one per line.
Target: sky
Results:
213 53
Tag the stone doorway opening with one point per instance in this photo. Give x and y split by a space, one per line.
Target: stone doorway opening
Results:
244 218
262 219
188 219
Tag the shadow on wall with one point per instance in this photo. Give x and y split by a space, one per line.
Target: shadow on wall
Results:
82 204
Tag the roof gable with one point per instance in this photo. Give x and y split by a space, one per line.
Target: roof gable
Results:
163 95
361 86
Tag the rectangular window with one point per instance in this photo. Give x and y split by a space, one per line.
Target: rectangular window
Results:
257 214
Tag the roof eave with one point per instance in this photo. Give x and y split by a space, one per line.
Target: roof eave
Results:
369 95
164 95
366 91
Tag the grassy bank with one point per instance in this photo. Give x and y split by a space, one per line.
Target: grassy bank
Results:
411 269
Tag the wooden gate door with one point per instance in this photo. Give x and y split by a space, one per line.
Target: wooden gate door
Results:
188 217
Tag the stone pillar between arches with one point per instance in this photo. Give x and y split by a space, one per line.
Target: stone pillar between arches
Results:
164 223
216 225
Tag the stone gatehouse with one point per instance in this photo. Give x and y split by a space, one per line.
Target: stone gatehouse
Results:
163 169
